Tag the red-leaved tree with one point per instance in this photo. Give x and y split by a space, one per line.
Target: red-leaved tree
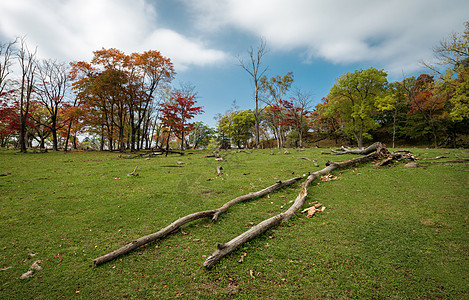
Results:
177 113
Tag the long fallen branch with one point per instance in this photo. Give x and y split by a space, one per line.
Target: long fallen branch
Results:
255 231
368 150
214 213
460 160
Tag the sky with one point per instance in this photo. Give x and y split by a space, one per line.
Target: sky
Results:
317 40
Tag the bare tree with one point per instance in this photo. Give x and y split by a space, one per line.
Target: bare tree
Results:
6 51
452 51
52 91
255 69
27 61
301 108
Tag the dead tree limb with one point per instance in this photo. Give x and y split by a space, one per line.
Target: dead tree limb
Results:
258 194
368 150
434 158
227 248
189 218
461 160
133 172
219 172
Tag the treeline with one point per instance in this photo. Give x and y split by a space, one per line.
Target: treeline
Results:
118 101
124 102
430 109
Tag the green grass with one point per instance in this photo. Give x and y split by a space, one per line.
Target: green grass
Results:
390 232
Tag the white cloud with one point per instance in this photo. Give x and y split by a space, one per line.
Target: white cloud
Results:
73 29
342 31
183 52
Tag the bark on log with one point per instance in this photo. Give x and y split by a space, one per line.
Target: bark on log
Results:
368 150
189 218
227 248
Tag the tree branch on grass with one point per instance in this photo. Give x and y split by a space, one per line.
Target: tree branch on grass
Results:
133 172
227 248
189 218
368 150
461 160
380 151
219 172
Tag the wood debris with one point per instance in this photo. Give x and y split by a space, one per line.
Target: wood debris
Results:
133 172
313 209
328 177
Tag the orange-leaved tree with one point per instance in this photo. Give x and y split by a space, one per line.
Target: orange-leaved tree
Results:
117 90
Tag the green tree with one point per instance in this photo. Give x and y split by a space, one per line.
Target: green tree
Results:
201 135
238 126
355 97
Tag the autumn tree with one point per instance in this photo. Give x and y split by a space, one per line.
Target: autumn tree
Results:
118 90
325 119
452 70
177 113
9 117
149 71
275 91
355 97
7 113
297 111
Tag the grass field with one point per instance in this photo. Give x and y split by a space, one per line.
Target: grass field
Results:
390 232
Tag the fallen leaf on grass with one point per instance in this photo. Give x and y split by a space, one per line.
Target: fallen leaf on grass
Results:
251 273
328 177
5 268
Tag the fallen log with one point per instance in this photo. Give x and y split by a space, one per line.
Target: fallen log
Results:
189 218
434 158
227 248
373 147
460 160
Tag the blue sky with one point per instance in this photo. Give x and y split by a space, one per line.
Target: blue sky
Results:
317 40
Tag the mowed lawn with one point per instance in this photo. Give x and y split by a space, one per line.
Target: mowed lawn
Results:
389 232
